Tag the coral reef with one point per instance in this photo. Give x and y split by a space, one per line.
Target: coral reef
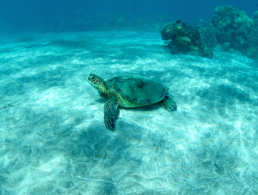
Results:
235 32
185 39
232 26
255 19
252 40
208 34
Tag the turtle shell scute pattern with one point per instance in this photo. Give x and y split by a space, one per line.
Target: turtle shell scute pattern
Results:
137 89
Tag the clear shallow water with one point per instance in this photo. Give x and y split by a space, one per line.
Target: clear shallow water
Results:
53 140
80 15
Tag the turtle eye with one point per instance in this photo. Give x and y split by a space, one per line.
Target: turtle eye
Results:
93 79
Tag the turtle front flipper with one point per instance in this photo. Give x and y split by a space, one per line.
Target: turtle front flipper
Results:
168 104
110 114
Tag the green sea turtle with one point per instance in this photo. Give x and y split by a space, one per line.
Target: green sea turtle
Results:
130 91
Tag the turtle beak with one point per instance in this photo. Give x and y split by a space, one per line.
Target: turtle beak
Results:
89 78
91 81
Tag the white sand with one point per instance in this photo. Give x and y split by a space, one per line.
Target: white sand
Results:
53 139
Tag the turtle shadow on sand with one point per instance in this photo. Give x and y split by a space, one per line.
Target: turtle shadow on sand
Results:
143 108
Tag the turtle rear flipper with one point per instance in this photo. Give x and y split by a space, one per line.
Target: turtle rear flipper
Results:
110 114
168 104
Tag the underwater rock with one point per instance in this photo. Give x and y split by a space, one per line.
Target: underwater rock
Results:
235 32
232 26
255 19
252 41
252 38
252 52
185 39
208 34
226 46
172 48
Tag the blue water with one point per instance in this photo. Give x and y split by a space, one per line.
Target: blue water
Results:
52 134
28 15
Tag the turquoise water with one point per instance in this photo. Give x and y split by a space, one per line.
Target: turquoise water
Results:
53 139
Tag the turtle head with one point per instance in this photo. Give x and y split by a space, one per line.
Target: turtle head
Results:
97 82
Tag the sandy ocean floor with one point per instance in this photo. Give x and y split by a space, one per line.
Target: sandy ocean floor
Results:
53 139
